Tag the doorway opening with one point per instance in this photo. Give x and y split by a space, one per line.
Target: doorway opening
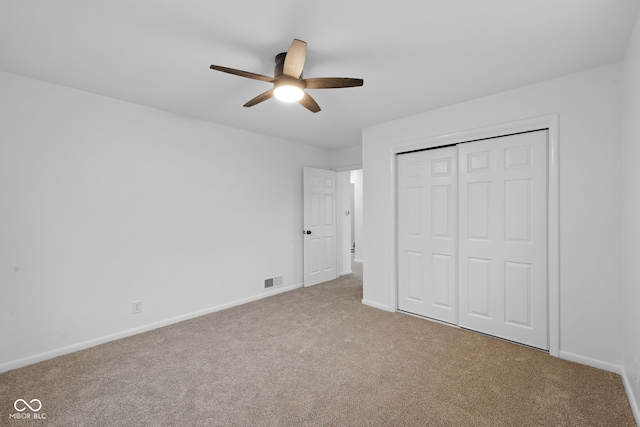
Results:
349 209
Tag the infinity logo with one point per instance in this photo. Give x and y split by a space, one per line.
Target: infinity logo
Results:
26 405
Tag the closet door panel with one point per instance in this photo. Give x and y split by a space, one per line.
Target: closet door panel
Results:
427 233
503 237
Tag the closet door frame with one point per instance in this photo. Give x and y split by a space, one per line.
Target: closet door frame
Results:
548 122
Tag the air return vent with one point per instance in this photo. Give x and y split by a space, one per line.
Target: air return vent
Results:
273 282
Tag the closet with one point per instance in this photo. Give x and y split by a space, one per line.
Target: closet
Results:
472 235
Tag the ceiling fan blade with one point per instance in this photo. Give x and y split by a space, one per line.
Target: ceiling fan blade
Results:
242 73
332 82
258 99
294 61
309 103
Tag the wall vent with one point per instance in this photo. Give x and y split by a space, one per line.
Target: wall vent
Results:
273 282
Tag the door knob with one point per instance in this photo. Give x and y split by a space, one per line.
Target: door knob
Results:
306 231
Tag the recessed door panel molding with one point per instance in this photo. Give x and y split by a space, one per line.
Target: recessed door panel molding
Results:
329 209
413 211
441 167
329 253
479 205
478 291
517 210
479 161
518 157
314 248
517 279
414 169
443 272
314 214
415 270
427 233
441 198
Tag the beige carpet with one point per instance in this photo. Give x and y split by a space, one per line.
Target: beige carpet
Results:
315 357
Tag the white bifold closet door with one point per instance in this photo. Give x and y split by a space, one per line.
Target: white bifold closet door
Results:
499 234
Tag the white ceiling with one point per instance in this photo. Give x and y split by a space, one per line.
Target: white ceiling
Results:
414 55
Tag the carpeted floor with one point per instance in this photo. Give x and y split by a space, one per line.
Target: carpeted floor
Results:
314 357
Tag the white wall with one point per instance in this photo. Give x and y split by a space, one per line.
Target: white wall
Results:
349 158
104 202
631 220
589 107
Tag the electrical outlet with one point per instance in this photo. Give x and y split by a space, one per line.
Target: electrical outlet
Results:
136 307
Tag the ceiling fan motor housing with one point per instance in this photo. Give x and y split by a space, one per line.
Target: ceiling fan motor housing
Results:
278 70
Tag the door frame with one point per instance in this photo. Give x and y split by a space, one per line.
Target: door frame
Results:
341 218
549 122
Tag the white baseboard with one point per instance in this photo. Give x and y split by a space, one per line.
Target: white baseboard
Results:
344 273
600 364
29 360
633 402
377 305
611 367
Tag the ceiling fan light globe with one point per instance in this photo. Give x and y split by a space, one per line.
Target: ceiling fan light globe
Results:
287 93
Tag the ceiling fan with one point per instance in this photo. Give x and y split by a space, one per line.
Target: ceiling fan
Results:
288 84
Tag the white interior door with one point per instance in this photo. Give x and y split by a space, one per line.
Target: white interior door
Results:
427 233
503 237
320 260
